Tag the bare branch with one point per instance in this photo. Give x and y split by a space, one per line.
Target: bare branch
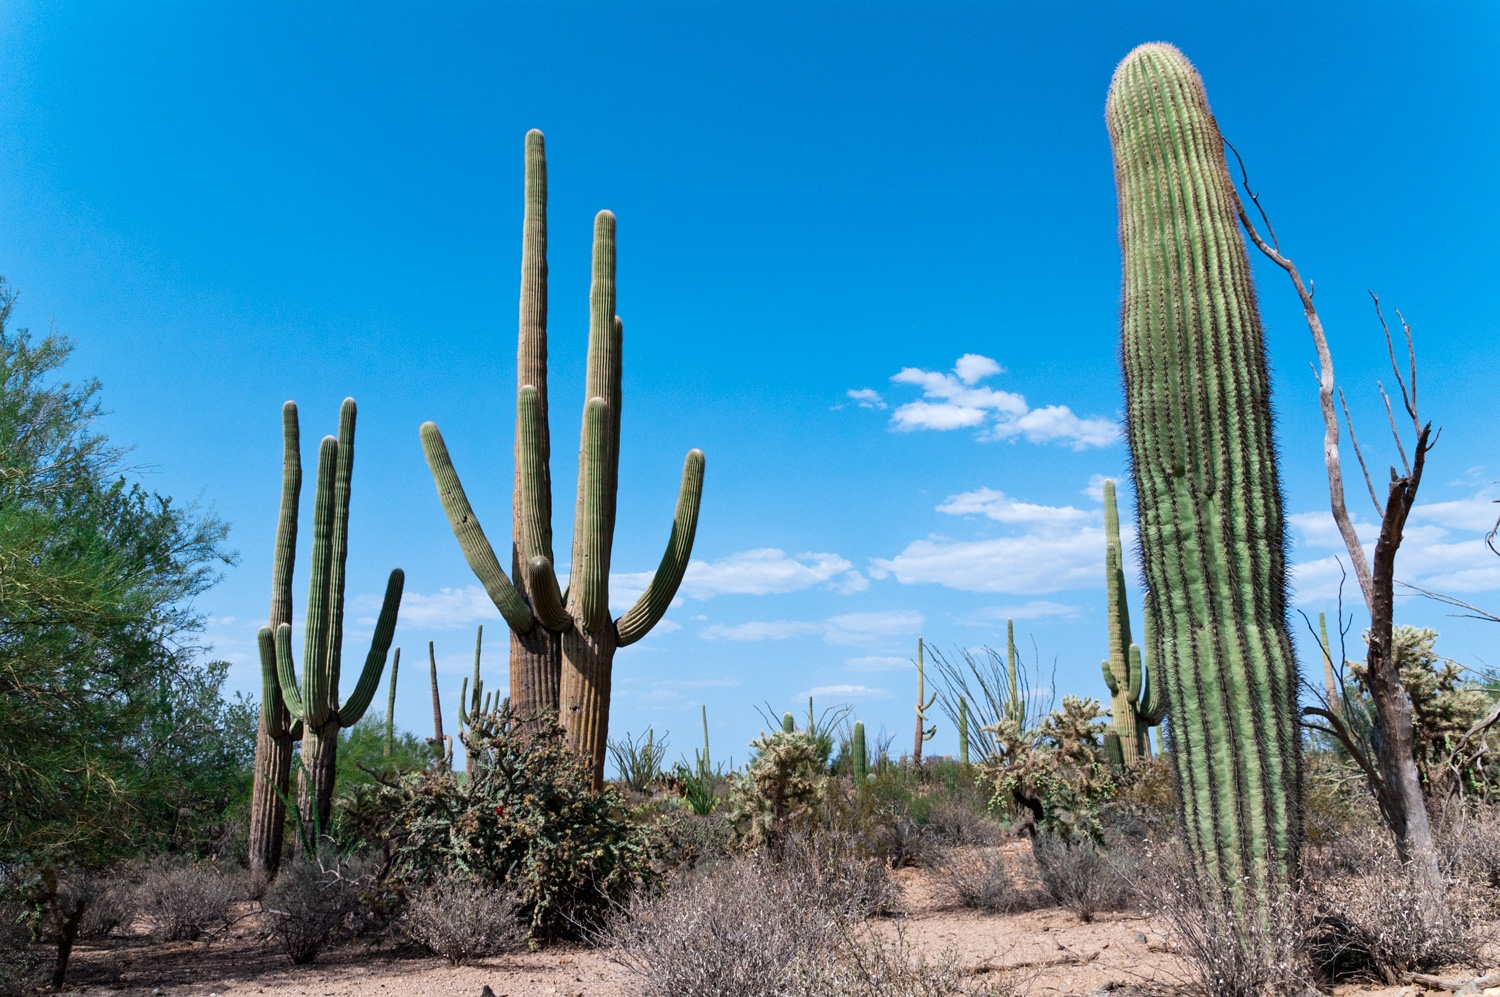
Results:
1474 612
1379 512
1390 349
1395 433
1325 384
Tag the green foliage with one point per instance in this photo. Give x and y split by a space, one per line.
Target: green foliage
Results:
526 818
639 761
1056 773
362 751
101 753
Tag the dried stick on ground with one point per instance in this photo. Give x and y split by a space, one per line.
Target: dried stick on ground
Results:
1393 777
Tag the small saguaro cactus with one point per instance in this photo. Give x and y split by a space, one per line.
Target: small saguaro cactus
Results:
1136 703
390 704
788 723
438 740
963 731
315 699
924 703
277 729
1330 676
563 642
1203 454
1015 705
857 754
479 702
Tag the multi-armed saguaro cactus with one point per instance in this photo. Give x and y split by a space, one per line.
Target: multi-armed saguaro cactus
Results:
923 732
1136 703
563 642
479 702
277 731
1197 401
315 700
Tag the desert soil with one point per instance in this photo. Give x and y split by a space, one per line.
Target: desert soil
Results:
1042 953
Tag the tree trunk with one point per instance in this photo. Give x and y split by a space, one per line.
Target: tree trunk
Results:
584 714
67 934
315 788
273 766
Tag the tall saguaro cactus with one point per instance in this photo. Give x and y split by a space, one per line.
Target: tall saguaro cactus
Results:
923 732
277 730
315 699
563 642
1197 398
1136 703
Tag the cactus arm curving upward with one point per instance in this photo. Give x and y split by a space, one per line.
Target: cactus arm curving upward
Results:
590 577
536 513
380 644
471 538
286 671
315 697
1153 708
339 541
654 602
390 704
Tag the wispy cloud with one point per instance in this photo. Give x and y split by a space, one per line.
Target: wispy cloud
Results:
845 692
1033 610
957 400
848 628
1003 509
877 663
770 571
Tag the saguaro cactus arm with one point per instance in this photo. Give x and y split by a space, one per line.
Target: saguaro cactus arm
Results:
589 583
380 644
536 512
654 602
339 541
286 672
471 538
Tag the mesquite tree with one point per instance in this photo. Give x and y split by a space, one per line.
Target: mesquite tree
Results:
563 642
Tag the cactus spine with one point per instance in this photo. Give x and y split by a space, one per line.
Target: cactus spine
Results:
1198 418
1136 705
857 754
924 732
315 699
390 705
277 730
563 644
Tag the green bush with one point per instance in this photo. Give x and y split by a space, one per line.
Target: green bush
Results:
780 786
527 819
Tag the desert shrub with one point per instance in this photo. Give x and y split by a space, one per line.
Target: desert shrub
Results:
639 761
527 819
184 900
461 921
1225 953
22 967
1468 837
780 785
1366 917
749 928
839 873
1081 876
112 907
683 838
956 820
978 878
309 904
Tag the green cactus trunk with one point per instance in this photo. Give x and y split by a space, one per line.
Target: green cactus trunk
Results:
390 704
924 732
276 731
1135 704
437 740
963 731
857 753
788 723
476 703
563 644
1014 708
1197 398
315 699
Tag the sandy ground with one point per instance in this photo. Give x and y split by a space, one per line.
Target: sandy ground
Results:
1043 953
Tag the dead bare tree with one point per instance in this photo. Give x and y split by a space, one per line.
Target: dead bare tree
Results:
1393 776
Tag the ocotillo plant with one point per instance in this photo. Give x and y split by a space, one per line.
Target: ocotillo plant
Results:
479 702
315 700
1198 419
277 729
1136 704
924 732
857 754
562 649
390 704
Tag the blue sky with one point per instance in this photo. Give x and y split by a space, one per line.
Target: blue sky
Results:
228 208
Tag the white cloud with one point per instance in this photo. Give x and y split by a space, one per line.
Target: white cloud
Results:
847 691
1032 610
878 663
1004 509
1095 488
770 571
848 629
1034 564
867 398
957 400
445 609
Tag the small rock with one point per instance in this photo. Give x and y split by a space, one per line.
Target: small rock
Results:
486 992
1140 938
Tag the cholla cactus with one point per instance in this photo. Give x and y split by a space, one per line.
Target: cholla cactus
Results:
1057 771
779 784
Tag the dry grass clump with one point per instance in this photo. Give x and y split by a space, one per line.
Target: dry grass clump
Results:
957 822
1085 878
305 905
184 901
461 921
112 907
753 928
980 879
1227 954
839 874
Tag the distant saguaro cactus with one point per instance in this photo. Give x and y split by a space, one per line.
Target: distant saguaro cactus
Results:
1198 418
857 754
1136 703
924 732
563 643
315 699
480 703
390 704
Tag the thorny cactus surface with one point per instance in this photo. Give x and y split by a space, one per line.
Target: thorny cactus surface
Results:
1198 418
563 642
